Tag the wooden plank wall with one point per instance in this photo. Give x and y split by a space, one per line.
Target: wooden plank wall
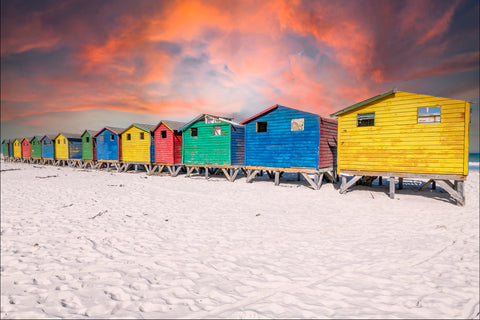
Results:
106 148
87 147
61 147
169 149
397 143
36 148
136 150
47 149
74 148
26 149
5 149
237 145
207 148
280 146
327 156
17 149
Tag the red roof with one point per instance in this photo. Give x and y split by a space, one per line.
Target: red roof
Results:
259 114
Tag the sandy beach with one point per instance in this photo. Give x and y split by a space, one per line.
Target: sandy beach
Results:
81 243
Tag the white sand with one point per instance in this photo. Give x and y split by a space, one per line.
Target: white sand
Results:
177 247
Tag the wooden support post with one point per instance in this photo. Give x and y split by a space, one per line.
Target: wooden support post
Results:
189 171
136 167
225 172
344 187
298 176
330 176
251 174
400 183
235 173
456 194
425 185
434 185
450 184
455 186
461 192
175 172
206 173
392 187
277 178
380 182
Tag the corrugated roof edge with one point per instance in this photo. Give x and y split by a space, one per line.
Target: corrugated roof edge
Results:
364 102
188 124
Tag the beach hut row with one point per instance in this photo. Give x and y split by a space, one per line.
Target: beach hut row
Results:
395 135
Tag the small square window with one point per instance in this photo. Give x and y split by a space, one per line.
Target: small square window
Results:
298 124
87 139
163 134
112 137
193 132
217 131
101 138
58 141
429 115
129 136
262 126
366 119
142 135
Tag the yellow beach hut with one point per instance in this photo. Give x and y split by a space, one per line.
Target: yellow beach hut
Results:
17 150
138 147
405 135
68 149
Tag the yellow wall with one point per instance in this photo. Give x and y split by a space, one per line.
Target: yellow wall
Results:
61 150
397 143
17 149
136 150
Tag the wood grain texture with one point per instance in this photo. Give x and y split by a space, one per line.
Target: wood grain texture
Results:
106 148
17 149
168 149
397 143
26 148
36 148
47 148
88 150
136 149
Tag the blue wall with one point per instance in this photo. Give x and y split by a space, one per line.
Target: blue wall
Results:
279 146
47 149
237 146
10 147
74 148
107 149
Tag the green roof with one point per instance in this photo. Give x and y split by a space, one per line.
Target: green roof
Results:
364 102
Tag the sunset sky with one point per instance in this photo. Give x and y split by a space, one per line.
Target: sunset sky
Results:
75 65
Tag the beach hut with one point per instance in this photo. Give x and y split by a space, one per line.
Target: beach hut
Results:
109 147
168 146
405 135
89 152
138 147
6 149
17 149
36 149
215 144
281 139
68 149
48 149
26 149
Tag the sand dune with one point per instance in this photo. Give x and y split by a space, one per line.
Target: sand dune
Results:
94 244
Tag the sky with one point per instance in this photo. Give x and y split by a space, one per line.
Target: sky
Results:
67 66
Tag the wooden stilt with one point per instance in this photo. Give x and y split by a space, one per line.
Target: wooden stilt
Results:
345 185
392 187
426 184
400 183
456 194
380 182
277 178
206 173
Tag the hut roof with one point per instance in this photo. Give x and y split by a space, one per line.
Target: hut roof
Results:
273 108
172 125
49 136
90 132
115 130
142 126
69 135
38 138
364 102
26 138
205 115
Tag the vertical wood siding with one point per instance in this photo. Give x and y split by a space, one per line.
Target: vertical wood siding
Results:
88 147
74 148
107 149
26 149
207 148
397 143
48 148
136 150
10 147
280 146
238 145
5 149
17 149
61 147
36 148
327 156
169 149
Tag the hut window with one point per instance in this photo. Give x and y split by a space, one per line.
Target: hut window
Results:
217 131
163 134
262 126
101 138
209 119
142 135
429 115
366 119
58 141
193 132
129 136
112 137
298 124
45 142
87 139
